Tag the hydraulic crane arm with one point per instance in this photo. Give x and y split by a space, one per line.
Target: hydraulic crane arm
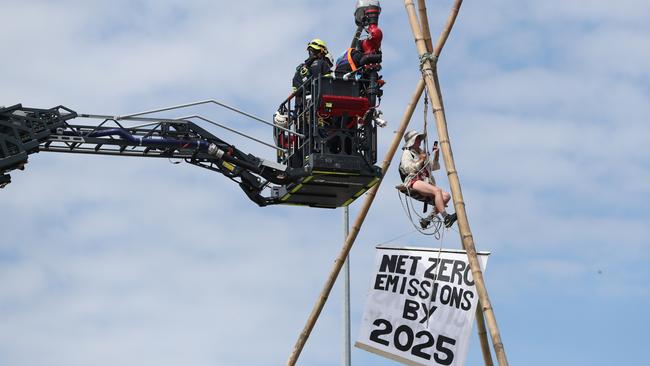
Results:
25 131
22 130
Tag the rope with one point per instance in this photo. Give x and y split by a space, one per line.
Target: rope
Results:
426 127
428 57
427 161
398 237
442 239
436 221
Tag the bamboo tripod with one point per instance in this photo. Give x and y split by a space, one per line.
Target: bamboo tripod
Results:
429 56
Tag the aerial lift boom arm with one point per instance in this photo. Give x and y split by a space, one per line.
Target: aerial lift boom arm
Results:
25 131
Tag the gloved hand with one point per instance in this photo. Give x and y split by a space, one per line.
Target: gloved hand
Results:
380 122
281 120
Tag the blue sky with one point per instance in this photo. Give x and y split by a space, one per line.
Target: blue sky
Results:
108 261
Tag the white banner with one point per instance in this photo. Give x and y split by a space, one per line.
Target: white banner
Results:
421 306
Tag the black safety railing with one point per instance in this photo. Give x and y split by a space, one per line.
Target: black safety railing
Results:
335 116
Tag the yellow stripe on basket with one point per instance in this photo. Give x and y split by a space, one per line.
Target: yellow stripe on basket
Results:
333 173
356 195
372 183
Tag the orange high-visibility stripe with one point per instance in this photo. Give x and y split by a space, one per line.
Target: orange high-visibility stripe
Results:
350 61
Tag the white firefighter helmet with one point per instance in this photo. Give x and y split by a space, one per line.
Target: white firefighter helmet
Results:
367 12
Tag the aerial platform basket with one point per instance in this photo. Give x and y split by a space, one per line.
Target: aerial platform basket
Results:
335 181
339 149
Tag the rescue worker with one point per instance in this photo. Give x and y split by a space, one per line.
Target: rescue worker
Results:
363 59
354 58
368 50
367 15
367 12
318 63
349 61
415 171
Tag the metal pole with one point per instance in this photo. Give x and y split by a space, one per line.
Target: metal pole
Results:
346 293
349 241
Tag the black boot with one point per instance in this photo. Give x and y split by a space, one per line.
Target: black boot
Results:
450 219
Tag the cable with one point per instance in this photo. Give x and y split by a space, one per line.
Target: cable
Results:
435 220
398 237
442 239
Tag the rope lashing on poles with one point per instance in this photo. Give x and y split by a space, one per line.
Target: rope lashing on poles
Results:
430 57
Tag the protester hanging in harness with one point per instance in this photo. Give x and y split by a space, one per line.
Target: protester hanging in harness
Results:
415 169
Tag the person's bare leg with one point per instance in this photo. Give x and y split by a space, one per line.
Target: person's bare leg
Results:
424 189
446 197
431 191
451 218
439 200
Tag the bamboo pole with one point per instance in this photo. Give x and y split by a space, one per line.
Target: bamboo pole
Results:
430 76
345 250
482 336
446 31
426 32
424 24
